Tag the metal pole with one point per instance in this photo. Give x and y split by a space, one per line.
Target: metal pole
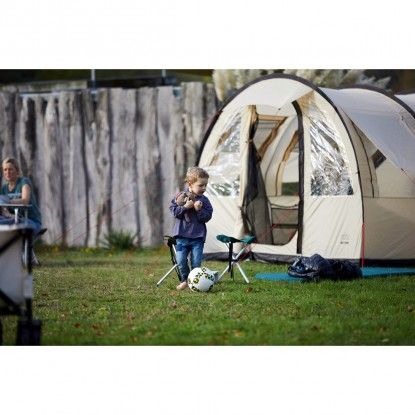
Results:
163 76
93 79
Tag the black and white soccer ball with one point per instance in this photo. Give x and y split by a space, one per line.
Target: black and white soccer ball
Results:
201 279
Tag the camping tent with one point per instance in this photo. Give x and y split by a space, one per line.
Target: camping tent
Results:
408 99
312 170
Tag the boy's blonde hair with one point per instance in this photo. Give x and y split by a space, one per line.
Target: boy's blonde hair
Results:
194 173
13 162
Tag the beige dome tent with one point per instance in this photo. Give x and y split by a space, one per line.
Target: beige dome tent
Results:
312 170
408 99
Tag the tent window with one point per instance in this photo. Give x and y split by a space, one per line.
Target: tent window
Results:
387 179
329 165
266 133
225 165
378 158
287 177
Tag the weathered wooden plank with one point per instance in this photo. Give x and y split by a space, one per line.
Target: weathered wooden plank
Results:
75 177
124 189
38 166
193 119
99 167
148 166
64 123
26 138
171 137
7 125
18 107
210 106
199 106
52 185
92 187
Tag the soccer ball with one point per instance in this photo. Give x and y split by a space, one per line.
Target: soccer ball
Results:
201 279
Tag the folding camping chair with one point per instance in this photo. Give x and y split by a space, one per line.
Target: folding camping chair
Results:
35 260
171 243
235 258
16 282
20 219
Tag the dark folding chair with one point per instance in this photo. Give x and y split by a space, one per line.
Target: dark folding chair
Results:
16 282
171 243
35 261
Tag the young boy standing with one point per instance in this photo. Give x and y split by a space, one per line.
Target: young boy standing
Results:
191 210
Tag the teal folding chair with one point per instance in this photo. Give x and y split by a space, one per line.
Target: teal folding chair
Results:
235 258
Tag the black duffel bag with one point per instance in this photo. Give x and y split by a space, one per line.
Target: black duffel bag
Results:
316 268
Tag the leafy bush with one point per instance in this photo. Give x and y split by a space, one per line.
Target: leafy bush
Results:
119 240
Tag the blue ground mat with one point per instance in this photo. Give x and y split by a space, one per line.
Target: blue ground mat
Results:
367 272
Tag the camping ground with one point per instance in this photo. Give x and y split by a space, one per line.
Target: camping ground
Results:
101 297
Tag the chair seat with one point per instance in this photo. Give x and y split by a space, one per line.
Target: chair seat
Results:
248 239
235 258
228 239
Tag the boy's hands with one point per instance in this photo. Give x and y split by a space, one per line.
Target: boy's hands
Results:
189 204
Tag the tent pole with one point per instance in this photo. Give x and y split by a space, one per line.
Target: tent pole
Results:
363 245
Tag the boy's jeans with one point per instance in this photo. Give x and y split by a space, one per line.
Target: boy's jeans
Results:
184 246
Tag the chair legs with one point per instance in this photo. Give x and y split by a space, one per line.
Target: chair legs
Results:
234 260
167 274
28 332
35 261
25 256
227 270
242 272
171 243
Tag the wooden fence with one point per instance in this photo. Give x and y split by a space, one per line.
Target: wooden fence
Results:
109 160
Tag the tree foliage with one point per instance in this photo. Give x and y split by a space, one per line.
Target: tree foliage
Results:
227 81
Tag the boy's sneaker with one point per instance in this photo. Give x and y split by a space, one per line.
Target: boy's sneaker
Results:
183 285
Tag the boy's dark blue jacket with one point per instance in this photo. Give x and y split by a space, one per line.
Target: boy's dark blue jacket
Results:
195 227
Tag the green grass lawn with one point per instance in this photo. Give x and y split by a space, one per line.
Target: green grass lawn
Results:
97 297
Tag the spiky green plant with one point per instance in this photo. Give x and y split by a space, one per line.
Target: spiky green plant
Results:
119 240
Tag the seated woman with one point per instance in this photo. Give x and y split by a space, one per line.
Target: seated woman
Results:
19 190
